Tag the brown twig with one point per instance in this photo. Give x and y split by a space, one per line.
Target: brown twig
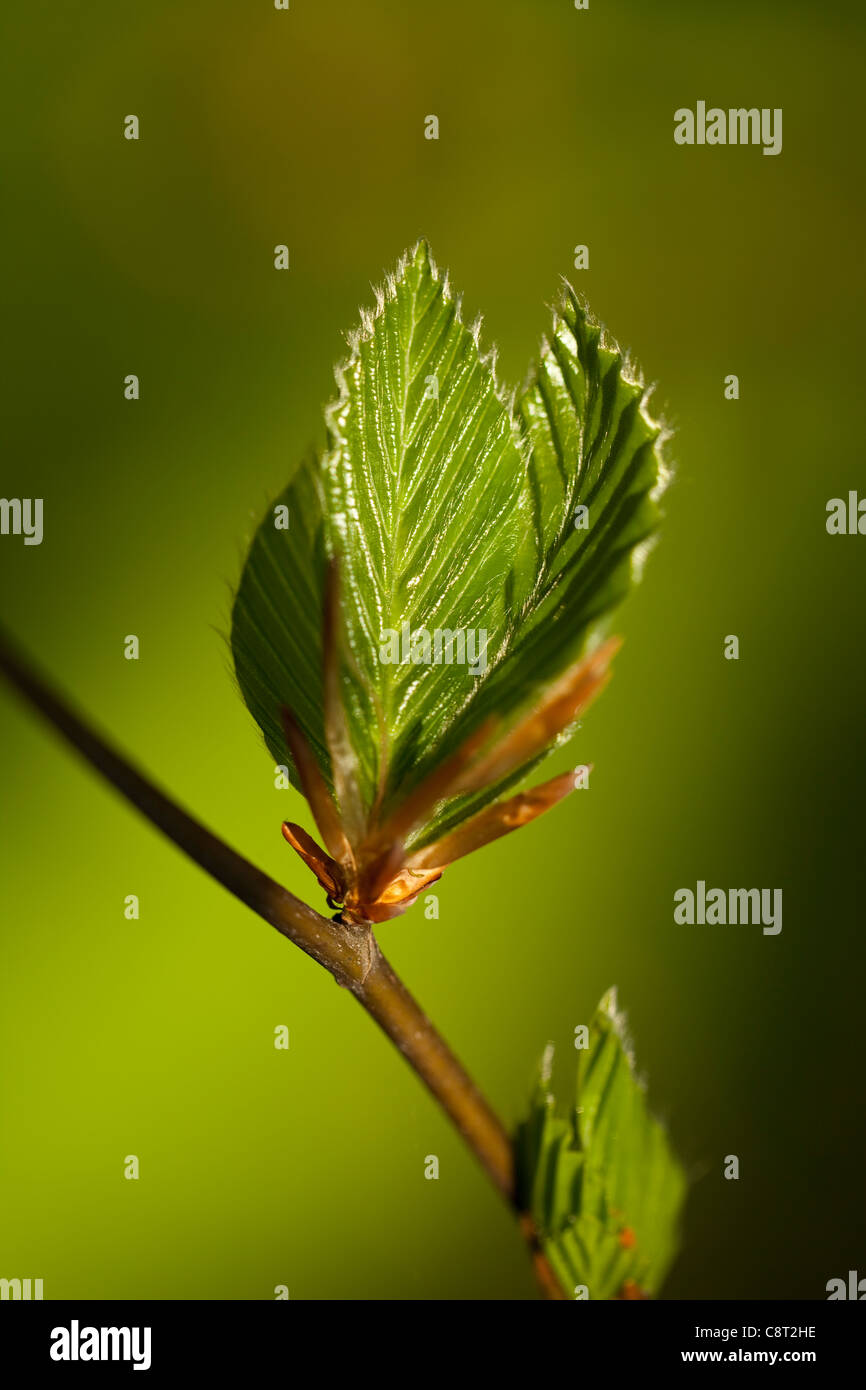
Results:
348 951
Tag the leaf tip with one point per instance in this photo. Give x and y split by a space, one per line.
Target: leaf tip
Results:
609 1008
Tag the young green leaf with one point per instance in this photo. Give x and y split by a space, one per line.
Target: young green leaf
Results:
589 507
277 613
428 625
592 487
602 1184
423 472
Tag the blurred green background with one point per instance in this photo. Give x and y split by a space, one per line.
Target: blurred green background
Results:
155 1037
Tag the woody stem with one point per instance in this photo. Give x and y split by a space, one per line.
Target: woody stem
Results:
387 1000
348 951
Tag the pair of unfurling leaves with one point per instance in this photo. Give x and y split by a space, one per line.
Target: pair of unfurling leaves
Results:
438 505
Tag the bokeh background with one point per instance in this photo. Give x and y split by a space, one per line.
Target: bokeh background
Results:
155 1037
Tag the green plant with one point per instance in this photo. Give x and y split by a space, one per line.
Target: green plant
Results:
422 616
602 1184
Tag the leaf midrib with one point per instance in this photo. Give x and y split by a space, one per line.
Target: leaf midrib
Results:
398 496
